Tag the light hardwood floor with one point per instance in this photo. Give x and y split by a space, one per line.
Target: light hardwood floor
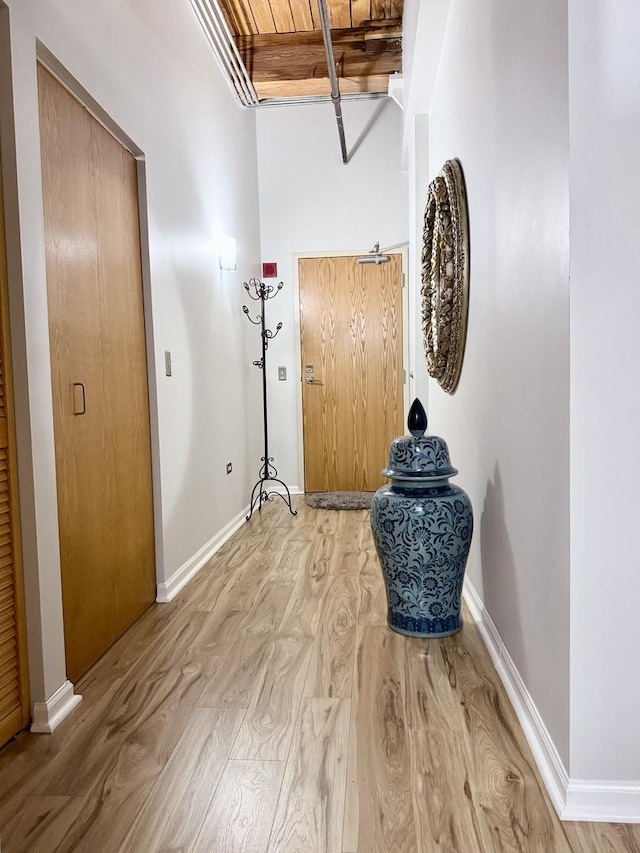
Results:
268 709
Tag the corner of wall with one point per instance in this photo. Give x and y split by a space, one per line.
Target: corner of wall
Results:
48 715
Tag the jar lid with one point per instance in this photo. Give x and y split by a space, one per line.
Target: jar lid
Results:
418 456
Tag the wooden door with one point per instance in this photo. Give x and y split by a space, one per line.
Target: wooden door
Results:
14 692
351 345
99 376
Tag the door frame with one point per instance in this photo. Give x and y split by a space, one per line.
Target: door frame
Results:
344 253
75 88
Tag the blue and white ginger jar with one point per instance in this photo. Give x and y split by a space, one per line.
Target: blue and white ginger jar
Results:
422 527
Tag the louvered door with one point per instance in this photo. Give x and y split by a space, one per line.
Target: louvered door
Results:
14 698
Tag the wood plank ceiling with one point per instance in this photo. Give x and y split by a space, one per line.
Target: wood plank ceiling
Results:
281 45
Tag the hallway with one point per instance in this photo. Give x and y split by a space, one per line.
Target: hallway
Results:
268 708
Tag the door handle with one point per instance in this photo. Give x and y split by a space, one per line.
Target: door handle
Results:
311 381
79 399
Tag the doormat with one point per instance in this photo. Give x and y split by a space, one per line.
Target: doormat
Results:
340 500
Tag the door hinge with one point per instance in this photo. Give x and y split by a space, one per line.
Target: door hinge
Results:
404 283
404 377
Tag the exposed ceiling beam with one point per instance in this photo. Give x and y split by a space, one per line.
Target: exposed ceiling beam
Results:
359 53
277 68
313 87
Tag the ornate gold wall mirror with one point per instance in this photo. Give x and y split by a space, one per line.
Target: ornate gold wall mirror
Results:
445 276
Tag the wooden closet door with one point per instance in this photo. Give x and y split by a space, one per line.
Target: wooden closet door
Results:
99 376
14 693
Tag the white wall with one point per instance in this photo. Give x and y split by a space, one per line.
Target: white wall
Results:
150 68
311 202
500 105
423 27
604 76
418 175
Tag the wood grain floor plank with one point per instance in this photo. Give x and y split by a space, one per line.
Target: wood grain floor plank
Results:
314 580
229 564
382 770
23 762
372 603
311 806
108 758
323 557
30 765
115 665
273 707
274 532
148 708
234 681
176 809
603 837
156 688
237 597
113 773
241 814
270 603
268 725
352 540
443 808
287 566
333 654
41 827
217 583
328 523
515 810
444 811
351 823
430 700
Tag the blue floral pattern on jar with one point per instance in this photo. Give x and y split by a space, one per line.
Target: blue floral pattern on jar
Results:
422 528
423 536
428 453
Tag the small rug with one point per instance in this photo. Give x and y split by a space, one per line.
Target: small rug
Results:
340 500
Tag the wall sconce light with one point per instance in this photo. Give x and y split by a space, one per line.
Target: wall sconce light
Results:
227 253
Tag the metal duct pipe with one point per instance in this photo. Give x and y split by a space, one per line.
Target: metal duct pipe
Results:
333 76
224 47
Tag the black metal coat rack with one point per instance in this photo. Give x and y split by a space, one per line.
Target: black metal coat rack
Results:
261 292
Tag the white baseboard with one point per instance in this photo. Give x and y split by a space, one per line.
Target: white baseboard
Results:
611 802
166 592
573 799
293 490
552 770
48 715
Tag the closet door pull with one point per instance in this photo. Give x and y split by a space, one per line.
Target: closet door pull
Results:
79 400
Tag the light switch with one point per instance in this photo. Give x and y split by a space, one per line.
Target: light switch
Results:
167 362
282 374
